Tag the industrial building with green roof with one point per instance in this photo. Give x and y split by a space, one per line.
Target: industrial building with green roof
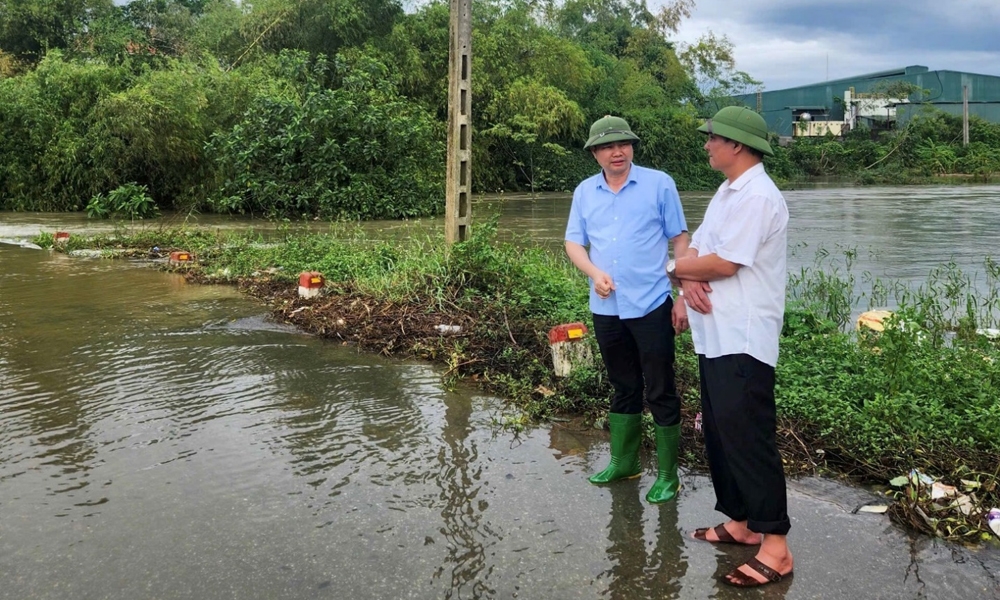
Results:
874 100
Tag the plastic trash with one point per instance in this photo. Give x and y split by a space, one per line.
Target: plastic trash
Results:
940 490
964 504
448 329
917 476
993 520
697 422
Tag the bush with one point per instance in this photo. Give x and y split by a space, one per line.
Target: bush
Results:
347 148
923 394
129 201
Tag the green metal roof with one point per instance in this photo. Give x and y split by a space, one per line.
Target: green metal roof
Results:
910 70
943 89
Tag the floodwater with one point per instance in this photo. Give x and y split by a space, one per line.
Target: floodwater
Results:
891 233
165 440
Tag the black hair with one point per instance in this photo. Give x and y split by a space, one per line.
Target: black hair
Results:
757 153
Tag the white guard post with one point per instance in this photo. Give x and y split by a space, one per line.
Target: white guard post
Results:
569 350
310 284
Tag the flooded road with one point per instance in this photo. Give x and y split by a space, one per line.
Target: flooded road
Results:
163 440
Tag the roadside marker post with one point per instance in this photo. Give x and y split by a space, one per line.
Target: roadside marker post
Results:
569 348
180 257
311 284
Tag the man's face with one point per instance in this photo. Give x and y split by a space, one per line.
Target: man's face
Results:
721 152
615 158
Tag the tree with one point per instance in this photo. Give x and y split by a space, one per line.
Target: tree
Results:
712 64
533 116
670 16
326 26
339 143
28 28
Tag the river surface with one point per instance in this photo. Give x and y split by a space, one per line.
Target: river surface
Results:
165 440
892 233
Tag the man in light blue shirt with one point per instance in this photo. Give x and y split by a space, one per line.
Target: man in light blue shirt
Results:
627 215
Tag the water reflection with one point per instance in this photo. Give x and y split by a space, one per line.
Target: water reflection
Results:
730 558
641 568
464 526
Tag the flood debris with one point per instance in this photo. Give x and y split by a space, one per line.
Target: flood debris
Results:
22 243
444 329
953 512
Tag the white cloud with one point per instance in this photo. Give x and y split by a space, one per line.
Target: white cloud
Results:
785 43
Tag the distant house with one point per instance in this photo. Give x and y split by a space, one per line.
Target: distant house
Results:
876 100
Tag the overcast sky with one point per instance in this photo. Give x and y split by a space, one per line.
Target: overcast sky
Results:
785 43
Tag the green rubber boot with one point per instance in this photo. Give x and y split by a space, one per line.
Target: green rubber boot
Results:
667 483
626 434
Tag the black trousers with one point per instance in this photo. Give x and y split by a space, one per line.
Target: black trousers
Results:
739 422
639 355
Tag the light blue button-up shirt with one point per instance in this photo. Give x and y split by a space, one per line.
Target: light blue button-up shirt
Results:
628 235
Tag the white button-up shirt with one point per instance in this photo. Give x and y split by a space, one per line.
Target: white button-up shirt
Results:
746 223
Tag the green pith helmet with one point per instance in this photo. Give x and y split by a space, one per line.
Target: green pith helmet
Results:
740 124
609 129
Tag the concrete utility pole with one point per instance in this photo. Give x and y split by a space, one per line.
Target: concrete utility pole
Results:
965 115
458 212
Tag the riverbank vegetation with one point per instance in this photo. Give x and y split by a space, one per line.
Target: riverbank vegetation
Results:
335 109
921 396
927 148
331 108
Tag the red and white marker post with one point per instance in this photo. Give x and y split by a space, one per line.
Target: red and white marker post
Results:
310 284
180 257
569 348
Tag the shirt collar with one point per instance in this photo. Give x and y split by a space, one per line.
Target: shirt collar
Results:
602 183
742 180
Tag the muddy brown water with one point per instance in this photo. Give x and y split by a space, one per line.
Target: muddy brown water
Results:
166 440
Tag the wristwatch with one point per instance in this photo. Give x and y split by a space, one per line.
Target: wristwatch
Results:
671 266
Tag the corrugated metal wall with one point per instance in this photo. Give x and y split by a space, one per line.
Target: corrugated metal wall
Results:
942 90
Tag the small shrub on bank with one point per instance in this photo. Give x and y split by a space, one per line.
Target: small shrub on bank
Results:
129 201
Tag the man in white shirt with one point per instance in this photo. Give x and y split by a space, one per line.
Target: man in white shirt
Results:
733 278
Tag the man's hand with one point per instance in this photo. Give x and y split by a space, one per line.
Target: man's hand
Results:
696 295
679 316
603 285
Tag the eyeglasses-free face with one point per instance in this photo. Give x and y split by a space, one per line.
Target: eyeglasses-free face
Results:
615 158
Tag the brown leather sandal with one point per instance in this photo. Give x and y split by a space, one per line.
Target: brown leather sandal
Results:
722 533
740 579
